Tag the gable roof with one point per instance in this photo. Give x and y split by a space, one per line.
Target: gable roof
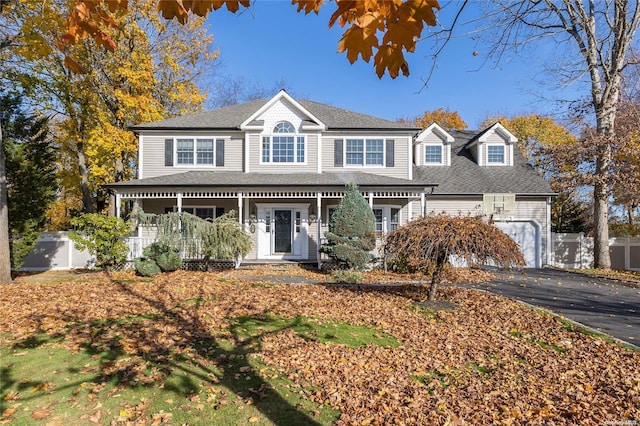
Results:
232 117
464 176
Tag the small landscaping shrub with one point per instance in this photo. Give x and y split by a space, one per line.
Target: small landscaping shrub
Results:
147 267
167 258
158 257
102 236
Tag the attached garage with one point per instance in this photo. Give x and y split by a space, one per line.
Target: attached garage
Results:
526 233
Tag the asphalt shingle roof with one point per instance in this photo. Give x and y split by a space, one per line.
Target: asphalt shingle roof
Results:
240 179
464 176
232 116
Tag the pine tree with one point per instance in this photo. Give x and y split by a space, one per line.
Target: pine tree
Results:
351 236
30 172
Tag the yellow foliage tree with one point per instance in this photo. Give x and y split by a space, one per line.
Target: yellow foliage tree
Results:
149 75
445 118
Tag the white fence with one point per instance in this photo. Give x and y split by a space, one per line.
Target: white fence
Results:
55 250
575 251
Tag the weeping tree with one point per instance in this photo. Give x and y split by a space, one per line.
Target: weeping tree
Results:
429 242
219 239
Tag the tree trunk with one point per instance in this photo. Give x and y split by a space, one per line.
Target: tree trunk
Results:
5 258
87 199
436 278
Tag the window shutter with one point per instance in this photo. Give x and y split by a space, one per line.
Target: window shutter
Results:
168 152
219 152
337 153
390 153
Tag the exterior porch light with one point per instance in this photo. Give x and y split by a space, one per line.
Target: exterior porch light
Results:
253 216
312 216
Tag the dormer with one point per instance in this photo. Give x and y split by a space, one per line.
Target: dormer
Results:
433 147
493 146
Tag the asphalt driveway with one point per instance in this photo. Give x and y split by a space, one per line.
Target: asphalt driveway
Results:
605 305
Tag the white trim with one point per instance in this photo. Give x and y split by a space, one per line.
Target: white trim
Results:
247 151
443 154
140 154
410 157
302 249
438 131
319 149
282 95
118 199
194 165
501 130
505 160
295 149
364 151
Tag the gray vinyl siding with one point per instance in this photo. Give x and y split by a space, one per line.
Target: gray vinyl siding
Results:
525 208
401 168
255 155
153 158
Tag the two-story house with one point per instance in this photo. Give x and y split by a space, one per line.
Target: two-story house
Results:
282 165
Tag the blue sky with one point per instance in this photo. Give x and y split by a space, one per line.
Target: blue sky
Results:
271 42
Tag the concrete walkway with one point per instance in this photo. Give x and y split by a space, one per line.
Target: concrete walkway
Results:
606 305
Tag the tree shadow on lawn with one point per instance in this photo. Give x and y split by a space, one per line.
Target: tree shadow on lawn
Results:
167 348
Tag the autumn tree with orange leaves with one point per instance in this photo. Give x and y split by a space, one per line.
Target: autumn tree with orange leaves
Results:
382 30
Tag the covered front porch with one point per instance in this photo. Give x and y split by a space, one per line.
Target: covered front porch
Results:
285 225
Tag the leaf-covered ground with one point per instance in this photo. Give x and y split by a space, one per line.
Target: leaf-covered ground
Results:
217 342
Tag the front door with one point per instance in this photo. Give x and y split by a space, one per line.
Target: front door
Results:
282 232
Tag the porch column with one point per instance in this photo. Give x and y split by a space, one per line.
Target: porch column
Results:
179 207
179 201
423 204
118 200
319 226
240 207
371 200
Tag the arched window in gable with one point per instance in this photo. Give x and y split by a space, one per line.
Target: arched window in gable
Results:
284 145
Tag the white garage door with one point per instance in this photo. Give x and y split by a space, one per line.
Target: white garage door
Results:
525 234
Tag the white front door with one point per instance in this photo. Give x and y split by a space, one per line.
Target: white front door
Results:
283 231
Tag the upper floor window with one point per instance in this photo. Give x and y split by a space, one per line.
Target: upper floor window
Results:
364 152
193 151
284 146
433 154
495 154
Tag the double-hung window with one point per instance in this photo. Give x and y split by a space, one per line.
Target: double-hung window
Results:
195 151
495 154
433 154
283 146
364 152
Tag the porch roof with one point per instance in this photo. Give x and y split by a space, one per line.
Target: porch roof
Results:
193 179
